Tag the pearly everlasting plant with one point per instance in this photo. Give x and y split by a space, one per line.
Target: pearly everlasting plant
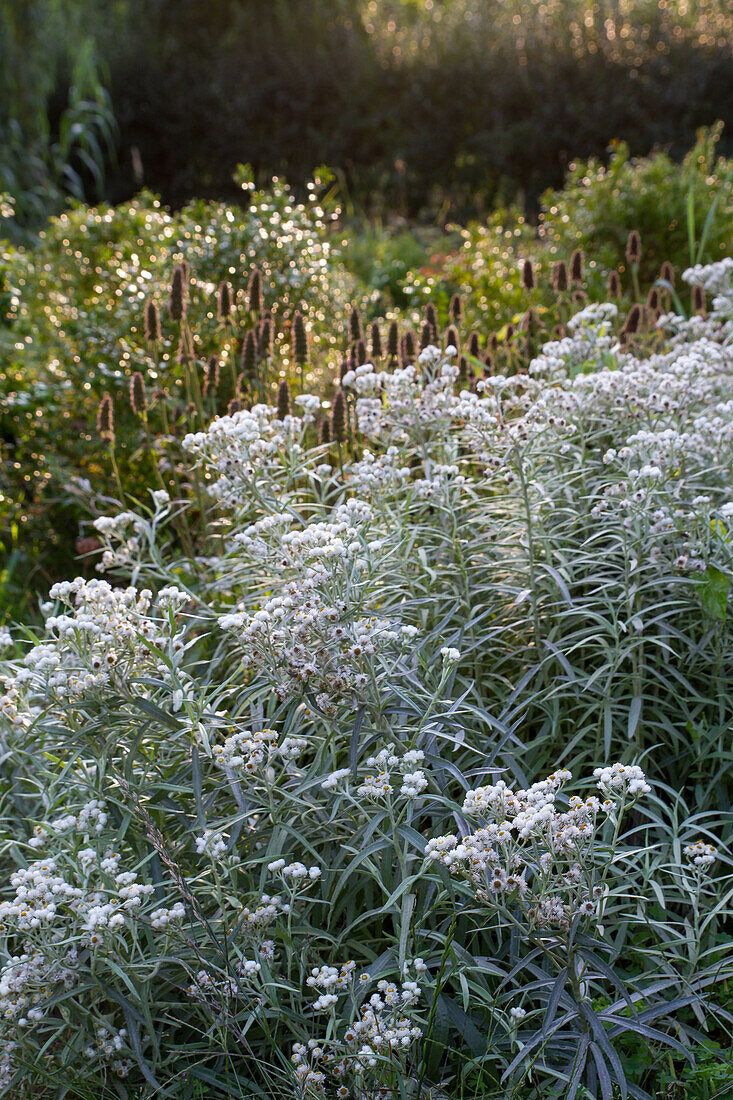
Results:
273 821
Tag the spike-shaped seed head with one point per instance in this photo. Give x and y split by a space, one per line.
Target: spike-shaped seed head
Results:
224 300
178 295
376 341
633 320
338 418
283 400
666 273
300 339
451 337
152 322
474 345
426 335
393 340
249 356
138 394
699 303
652 301
325 431
355 330
633 247
560 278
234 406
360 351
106 418
455 309
613 286
577 266
254 297
528 275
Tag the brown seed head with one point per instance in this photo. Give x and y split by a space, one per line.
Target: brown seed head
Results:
138 395
152 322
633 247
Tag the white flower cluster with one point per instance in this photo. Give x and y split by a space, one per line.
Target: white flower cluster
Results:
383 1029
333 981
531 850
700 853
388 775
108 1045
294 871
246 450
378 476
250 751
91 819
28 980
163 917
240 983
626 779
382 1034
211 843
255 919
103 634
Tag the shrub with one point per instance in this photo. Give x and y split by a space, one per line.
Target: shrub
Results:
277 822
74 329
683 214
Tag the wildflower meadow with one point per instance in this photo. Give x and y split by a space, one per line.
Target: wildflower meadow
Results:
390 754
366 551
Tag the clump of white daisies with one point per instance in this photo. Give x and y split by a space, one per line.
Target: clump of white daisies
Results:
276 807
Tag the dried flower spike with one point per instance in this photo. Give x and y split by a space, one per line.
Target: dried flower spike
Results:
376 341
283 400
528 275
355 330
699 303
178 296
560 277
577 266
254 296
249 356
300 339
105 418
393 340
338 418
613 287
138 395
224 300
152 322
666 273
455 309
633 247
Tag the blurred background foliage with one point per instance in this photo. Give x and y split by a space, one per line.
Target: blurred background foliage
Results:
422 107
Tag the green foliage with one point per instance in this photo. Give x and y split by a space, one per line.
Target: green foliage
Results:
42 164
663 201
667 203
73 329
